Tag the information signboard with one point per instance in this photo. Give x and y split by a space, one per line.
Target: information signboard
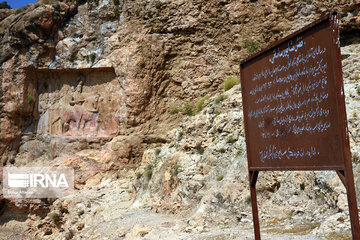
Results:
294 107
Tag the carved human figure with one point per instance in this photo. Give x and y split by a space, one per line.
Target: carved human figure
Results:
74 112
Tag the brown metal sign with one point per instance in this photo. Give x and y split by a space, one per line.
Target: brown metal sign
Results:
294 107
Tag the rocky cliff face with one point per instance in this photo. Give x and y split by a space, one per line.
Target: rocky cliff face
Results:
162 55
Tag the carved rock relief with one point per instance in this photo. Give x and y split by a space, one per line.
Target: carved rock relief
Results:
79 105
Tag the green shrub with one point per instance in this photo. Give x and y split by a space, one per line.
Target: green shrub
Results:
138 175
19 10
116 2
219 178
54 216
217 112
230 139
200 150
230 82
358 90
92 57
181 133
251 46
97 2
315 225
302 186
238 153
148 174
158 4
248 199
149 166
116 11
220 98
176 110
344 56
189 109
157 151
4 5
200 103
320 195
30 99
177 169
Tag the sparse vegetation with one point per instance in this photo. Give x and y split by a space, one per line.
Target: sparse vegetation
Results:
176 110
157 151
30 99
340 219
319 195
177 169
314 225
217 112
138 175
158 4
181 133
19 10
238 153
92 57
344 56
358 90
54 216
230 139
4 5
230 82
200 150
148 171
302 186
200 103
248 199
220 98
189 109
219 178
251 46
148 174
116 2
116 11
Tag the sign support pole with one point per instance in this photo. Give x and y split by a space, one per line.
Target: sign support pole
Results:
253 175
348 181
353 209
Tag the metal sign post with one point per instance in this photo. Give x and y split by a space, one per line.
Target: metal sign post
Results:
294 109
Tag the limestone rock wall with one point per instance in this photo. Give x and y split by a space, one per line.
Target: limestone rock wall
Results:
164 52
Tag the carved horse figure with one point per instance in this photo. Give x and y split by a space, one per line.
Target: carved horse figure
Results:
73 114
